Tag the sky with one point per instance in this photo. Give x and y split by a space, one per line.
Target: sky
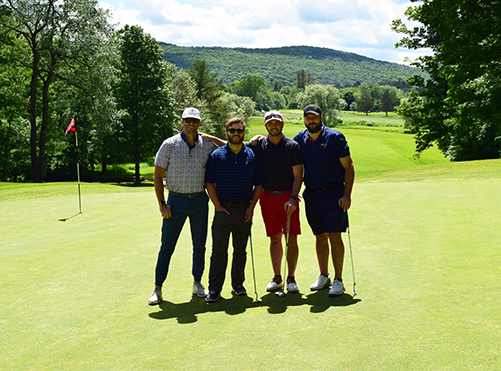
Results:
358 26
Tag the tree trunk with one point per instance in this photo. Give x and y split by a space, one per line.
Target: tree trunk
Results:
33 115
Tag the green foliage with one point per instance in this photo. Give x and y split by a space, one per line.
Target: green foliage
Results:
325 66
327 97
141 94
459 108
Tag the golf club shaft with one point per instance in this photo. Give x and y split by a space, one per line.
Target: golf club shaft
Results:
287 234
351 252
252 260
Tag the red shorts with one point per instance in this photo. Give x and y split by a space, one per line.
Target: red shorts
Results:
274 215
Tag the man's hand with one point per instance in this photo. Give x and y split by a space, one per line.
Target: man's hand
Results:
249 214
165 211
344 203
256 139
290 206
221 208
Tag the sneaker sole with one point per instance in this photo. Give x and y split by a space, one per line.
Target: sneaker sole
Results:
239 293
199 295
320 288
272 290
337 294
211 300
155 302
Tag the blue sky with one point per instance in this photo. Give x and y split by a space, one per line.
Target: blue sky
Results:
358 26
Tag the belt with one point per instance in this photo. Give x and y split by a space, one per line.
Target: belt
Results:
321 190
275 192
236 205
190 195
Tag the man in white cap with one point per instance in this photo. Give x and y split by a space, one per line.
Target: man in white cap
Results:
182 158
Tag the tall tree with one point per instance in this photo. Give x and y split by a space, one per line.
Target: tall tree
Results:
206 83
327 97
60 35
365 102
459 107
142 95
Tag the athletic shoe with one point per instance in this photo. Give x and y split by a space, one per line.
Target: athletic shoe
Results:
212 297
239 290
321 283
292 285
337 288
199 290
156 296
275 284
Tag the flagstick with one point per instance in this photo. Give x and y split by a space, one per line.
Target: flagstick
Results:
78 174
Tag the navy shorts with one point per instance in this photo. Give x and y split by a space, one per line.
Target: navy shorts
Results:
323 212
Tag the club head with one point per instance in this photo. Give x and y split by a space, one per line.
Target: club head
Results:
354 292
258 300
279 293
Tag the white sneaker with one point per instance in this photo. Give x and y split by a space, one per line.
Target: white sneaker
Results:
292 287
274 285
199 290
156 296
322 283
337 288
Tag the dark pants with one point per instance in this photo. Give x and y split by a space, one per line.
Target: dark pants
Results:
197 209
222 226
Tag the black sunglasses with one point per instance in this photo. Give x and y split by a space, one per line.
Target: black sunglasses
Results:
233 131
191 121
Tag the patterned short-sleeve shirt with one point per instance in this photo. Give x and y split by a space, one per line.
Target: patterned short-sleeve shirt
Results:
185 167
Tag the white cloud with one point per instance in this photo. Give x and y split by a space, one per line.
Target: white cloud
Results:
358 26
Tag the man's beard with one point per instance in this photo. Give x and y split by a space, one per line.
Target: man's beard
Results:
314 129
236 139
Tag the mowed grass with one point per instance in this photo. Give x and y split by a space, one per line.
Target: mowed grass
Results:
425 236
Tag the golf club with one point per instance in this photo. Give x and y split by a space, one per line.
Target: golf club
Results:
284 280
253 270
351 253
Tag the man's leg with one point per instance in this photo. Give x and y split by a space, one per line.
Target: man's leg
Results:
322 247
292 255
171 229
199 214
221 229
337 252
276 252
240 236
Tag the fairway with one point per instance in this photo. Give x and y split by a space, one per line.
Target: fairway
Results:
425 243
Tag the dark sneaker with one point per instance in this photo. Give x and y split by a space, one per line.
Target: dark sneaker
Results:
212 297
239 290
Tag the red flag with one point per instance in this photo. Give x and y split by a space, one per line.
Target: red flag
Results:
71 126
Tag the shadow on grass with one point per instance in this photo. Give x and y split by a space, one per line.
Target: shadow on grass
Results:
319 301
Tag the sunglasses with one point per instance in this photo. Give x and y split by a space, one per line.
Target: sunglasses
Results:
273 116
191 121
238 131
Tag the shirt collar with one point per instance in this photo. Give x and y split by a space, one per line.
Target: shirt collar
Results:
320 137
186 140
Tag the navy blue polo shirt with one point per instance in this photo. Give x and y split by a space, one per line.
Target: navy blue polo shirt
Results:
277 161
322 168
234 175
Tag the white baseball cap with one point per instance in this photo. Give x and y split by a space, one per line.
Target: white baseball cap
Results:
191 112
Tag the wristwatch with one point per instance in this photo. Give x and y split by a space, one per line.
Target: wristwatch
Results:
161 202
293 197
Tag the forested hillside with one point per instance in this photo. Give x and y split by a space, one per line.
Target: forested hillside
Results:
326 66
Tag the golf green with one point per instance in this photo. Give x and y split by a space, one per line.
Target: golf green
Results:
425 245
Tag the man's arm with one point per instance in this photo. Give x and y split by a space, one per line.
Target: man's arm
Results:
349 178
255 197
159 191
292 203
218 142
211 190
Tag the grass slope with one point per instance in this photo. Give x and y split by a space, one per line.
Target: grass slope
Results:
426 251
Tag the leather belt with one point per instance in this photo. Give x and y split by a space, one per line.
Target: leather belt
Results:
190 195
275 192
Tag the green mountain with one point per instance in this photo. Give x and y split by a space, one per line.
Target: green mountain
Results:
326 66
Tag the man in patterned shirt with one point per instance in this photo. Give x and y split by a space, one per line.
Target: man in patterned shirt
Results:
182 158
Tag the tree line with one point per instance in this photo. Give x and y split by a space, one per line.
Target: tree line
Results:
63 59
